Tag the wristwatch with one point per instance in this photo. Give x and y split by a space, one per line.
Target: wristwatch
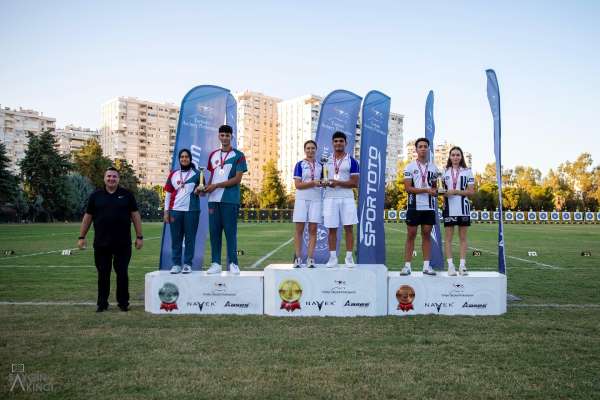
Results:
140 237
81 237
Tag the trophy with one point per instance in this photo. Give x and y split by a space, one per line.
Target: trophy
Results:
440 184
201 186
324 161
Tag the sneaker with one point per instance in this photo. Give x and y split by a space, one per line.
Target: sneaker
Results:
214 269
349 262
405 271
451 270
101 308
428 271
310 263
186 269
175 269
333 262
124 308
234 269
463 270
297 262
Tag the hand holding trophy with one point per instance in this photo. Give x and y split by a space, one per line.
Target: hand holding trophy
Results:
201 188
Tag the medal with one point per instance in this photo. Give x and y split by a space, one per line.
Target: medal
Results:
312 169
423 174
455 178
183 180
337 166
336 177
222 172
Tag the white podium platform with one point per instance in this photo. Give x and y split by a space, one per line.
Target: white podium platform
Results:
200 293
321 291
479 293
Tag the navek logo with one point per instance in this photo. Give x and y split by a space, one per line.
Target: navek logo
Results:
320 304
201 304
439 305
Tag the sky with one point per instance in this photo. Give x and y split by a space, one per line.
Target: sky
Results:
66 58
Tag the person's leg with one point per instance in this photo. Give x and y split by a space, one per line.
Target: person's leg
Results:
122 256
332 239
462 232
449 232
216 229
298 238
103 261
312 239
349 237
426 238
190 223
409 246
229 216
177 231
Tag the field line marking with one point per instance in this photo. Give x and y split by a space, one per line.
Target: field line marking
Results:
269 254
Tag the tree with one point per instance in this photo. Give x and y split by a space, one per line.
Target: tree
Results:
21 205
79 189
541 198
527 177
91 163
580 177
148 202
8 182
562 193
485 197
395 193
45 171
249 198
272 193
127 177
510 198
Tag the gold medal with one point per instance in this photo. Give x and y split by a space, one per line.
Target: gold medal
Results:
290 292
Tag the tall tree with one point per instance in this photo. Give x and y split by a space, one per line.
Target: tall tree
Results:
45 171
91 163
127 177
148 201
272 193
249 198
79 189
8 182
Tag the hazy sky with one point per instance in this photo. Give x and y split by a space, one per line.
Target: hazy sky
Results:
67 58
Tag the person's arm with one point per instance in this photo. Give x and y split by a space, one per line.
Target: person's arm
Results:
470 191
83 230
305 185
408 186
136 218
351 184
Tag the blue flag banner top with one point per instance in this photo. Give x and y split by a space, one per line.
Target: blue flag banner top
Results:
436 255
371 196
203 110
493 94
339 112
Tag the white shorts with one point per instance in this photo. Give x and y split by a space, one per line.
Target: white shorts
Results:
339 209
308 211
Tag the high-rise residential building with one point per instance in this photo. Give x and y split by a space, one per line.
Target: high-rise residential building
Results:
297 121
141 132
257 134
72 138
14 127
441 154
394 145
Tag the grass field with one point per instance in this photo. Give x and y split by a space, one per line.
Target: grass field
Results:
546 346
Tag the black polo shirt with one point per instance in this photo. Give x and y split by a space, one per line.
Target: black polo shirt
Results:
111 213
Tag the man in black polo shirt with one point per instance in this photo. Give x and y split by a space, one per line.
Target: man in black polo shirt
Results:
112 209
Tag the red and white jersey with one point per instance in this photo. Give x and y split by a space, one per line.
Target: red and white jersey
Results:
179 190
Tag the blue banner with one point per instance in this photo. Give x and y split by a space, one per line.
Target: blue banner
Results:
436 255
371 196
339 112
203 110
493 94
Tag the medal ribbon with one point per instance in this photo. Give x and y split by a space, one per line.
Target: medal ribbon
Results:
224 159
168 306
312 169
423 174
290 305
405 306
337 166
184 180
455 178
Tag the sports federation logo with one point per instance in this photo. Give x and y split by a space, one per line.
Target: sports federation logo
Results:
322 235
290 293
405 296
168 295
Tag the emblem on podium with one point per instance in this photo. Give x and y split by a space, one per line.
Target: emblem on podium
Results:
168 295
290 292
405 296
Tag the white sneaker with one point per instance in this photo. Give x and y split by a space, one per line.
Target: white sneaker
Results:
175 269
451 270
333 262
405 271
349 262
214 269
186 269
297 262
463 270
429 271
310 263
234 269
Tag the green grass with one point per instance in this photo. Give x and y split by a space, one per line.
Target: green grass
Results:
533 351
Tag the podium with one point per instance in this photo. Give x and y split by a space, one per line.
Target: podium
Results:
321 291
479 293
200 293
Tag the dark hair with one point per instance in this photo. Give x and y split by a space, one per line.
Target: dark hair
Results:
185 151
422 139
225 129
339 135
189 153
310 141
111 168
462 158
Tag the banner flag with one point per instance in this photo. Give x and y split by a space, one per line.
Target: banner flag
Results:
203 110
339 112
371 196
437 255
493 94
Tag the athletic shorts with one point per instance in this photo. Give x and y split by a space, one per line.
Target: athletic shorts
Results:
308 211
420 217
457 221
339 211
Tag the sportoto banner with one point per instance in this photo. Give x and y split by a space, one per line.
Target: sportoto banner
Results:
203 110
371 195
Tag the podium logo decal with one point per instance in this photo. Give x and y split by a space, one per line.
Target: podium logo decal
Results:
290 292
168 295
405 296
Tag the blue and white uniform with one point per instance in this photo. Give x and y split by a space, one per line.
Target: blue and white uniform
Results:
308 206
339 206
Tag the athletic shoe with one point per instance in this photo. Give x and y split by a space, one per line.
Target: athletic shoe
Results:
297 262
310 263
333 262
234 269
405 271
214 269
176 269
124 308
428 271
186 269
349 262
101 309
463 270
451 270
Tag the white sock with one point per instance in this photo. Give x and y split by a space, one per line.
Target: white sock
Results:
425 264
463 262
348 254
407 264
332 254
450 262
